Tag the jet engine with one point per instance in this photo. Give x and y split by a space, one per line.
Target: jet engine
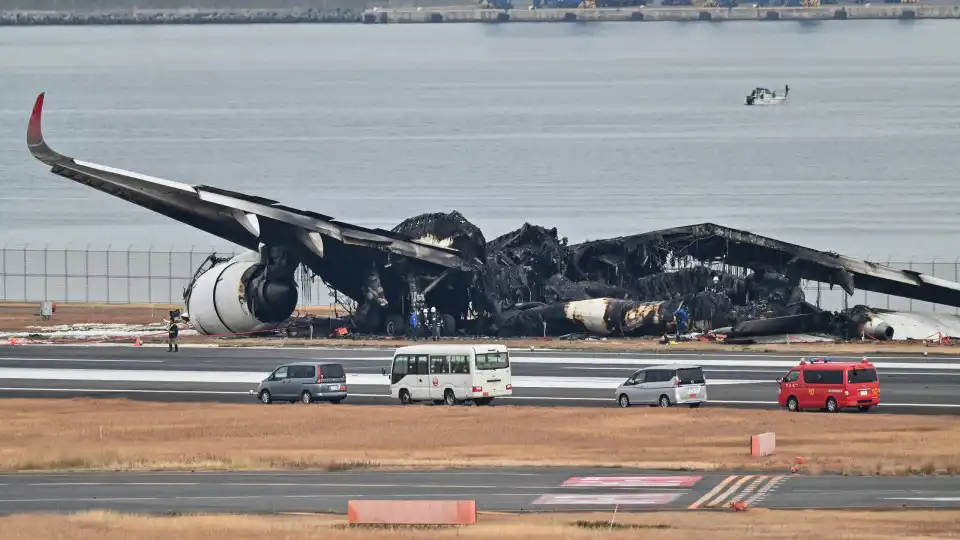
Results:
249 293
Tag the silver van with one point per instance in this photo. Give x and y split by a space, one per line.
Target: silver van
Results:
308 382
668 385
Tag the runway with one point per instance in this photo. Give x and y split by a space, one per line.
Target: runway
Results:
911 384
506 490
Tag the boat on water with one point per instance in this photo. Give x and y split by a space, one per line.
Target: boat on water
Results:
763 96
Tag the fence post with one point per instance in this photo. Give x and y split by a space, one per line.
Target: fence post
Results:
5 270
129 276
46 274
25 246
933 272
888 294
150 274
86 274
66 274
170 274
108 271
910 299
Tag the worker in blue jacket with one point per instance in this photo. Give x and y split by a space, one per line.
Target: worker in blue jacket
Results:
413 324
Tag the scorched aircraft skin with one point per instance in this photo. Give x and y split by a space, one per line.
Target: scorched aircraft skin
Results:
526 282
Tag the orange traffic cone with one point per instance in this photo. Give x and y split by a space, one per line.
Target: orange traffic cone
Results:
138 343
13 341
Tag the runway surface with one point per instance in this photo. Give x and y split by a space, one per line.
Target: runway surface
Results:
542 489
911 384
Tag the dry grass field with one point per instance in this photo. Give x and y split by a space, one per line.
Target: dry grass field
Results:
121 434
756 523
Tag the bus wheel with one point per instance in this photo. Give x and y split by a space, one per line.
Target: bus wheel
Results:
449 398
404 397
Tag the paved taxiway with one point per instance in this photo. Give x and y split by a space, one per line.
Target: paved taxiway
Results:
914 384
511 489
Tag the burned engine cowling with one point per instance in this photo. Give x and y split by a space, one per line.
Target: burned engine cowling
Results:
249 293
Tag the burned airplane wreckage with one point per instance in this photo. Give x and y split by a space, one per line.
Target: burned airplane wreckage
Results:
529 282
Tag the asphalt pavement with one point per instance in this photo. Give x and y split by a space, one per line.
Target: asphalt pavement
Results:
506 490
909 383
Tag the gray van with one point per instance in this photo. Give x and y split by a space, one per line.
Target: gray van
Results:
308 382
678 384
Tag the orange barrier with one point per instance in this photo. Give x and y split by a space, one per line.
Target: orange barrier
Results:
763 445
412 512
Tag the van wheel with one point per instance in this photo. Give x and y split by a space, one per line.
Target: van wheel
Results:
404 397
793 405
449 398
482 401
265 397
624 401
306 398
694 405
831 405
664 401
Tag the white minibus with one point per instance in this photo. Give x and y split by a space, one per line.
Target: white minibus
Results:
450 374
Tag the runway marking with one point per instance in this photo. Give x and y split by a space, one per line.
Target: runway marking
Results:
929 499
631 481
79 360
387 396
243 497
246 377
626 499
735 488
706 360
282 484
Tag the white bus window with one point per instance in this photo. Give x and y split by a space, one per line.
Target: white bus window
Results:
400 369
459 364
439 364
422 365
493 361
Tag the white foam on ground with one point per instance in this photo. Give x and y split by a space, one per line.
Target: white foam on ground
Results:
254 377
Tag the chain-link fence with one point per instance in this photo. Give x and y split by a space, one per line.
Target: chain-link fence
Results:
115 276
135 276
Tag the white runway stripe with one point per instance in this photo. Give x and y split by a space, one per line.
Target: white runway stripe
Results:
253 377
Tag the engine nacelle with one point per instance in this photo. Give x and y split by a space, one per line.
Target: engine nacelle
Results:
237 296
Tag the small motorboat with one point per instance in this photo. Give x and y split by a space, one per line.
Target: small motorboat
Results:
763 96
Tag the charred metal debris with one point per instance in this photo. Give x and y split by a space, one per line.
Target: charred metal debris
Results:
705 277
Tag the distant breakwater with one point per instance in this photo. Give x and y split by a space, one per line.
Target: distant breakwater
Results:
193 16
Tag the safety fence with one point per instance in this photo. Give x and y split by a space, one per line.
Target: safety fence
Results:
125 276
154 275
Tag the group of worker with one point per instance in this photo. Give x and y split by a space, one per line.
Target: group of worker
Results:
431 319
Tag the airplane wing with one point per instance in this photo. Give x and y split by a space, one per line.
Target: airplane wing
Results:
235 217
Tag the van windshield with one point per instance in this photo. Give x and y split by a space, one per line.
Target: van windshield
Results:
490 361
690 376
862 375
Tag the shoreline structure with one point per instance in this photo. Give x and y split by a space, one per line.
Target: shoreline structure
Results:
466 14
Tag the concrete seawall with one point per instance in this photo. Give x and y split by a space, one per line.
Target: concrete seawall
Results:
834 12
99 12
90 12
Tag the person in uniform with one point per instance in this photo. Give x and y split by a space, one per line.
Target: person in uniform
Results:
434 324
412 329
172 334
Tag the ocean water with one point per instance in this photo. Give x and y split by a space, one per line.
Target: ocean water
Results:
597 129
